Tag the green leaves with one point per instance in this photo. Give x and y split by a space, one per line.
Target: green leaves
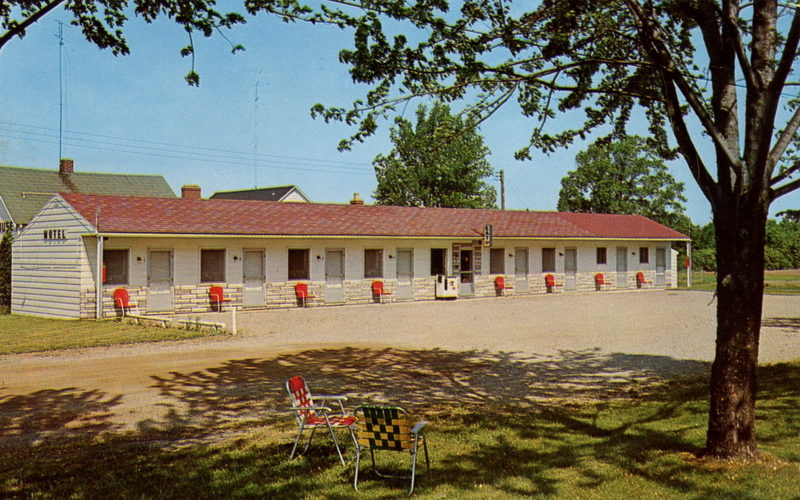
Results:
103 21
438 162
624 176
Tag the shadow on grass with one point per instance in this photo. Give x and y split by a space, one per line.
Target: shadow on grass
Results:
514 425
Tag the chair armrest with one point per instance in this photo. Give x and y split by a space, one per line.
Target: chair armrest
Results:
309 408
419 427
330 398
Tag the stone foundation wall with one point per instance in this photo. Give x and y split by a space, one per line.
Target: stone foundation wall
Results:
195 299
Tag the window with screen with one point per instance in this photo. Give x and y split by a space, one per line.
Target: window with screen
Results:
438 261
644 255
497 261
602 255
373 263
212 265
115 263
548 260
298 264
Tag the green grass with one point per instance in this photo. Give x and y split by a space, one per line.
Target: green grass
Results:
642 447
784 282
28 334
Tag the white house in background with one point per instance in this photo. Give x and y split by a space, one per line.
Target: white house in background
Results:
168 252
277 193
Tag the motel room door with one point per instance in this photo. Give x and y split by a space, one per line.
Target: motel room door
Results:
622 267
334 276
521 270
159 281
661 266
467 281
405 274
570 268
253 294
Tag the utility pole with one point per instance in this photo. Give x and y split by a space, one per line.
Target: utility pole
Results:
60 91
502 177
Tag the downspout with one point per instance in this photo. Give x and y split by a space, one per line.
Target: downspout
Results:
98 287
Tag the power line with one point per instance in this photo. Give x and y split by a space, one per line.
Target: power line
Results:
175 151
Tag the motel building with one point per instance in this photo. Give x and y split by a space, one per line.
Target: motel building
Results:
168 252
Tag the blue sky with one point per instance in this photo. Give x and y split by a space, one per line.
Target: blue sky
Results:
136 114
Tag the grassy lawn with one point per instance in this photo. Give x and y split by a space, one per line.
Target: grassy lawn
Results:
27 334
641 447
784 282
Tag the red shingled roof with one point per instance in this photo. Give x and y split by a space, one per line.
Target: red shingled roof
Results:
129 214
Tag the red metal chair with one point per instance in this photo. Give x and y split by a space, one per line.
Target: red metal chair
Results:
379 292
303 297
641 282
501 287
124 302
310 416
217 295
551 285
601 283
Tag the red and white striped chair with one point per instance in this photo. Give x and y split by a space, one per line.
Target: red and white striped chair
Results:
310 416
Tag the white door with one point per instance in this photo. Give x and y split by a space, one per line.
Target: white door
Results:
334 276
159 281
253 294
622 267
570 268
521 270
405 274
467 282
661 267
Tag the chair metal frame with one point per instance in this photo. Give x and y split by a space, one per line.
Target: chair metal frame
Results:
379 290
302 294
123 300
309 415
389 428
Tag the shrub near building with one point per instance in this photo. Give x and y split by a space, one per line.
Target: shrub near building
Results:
5 273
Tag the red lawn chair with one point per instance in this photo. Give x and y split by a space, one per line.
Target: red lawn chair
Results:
217 295
303 297
601 283
310 416
501 287
124 302
379 292
641 282
551 285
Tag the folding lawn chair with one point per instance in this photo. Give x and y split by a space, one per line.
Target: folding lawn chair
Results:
389 428
310 416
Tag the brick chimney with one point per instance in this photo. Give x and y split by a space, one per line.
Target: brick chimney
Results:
190 192
356 200
65 166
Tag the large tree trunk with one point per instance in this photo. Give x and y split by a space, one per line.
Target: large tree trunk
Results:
740 234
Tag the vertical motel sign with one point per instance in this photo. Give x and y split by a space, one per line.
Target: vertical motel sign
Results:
487 235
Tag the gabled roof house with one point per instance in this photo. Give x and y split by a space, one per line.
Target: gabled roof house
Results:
167 253
24 191
277 193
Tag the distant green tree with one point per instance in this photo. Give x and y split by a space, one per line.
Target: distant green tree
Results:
624 177
5 271
441 161
783 244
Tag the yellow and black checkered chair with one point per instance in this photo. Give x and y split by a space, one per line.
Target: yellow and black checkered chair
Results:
389 428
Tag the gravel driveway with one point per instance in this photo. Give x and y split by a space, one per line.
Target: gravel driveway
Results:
519 350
